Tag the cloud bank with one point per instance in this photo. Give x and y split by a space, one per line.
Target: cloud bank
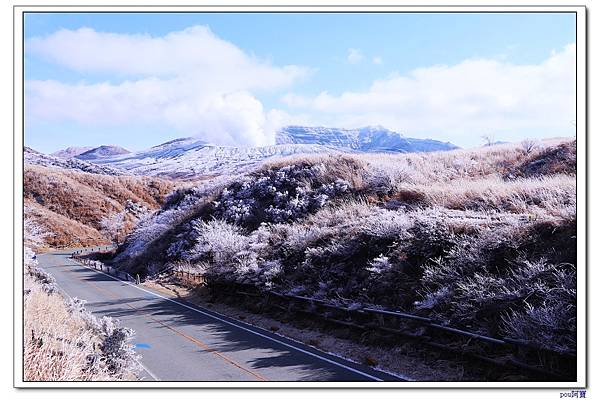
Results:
198 84
471 98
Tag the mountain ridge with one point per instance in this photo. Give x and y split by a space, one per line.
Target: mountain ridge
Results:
103 151
34 157
71 152
192 157
367 139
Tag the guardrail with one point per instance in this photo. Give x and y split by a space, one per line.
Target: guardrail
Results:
189 277
500 351
429 322
108 269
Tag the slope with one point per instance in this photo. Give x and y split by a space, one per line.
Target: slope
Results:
71 204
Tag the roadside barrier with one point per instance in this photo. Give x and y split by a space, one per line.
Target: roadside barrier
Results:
79 256
189 277
502 352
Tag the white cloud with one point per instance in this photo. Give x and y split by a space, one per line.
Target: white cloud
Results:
190 80
195 52
355 56
460 101
377 60
234 118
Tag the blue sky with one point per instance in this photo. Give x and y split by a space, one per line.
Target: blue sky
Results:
506 74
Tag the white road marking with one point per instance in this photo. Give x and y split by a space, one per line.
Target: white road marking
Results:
156 378
346 367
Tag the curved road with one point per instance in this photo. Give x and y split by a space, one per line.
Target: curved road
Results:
179 341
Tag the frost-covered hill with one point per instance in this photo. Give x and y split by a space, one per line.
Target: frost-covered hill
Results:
71 152
102 152
460 237
189 158
367 139
34 157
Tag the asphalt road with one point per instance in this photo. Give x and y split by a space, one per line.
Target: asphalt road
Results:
179 341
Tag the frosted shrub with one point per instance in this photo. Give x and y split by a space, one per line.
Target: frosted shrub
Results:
179 207
34 235
116 352
298 237
151 228
116 347
521 300
227 254
550 325
113 225
138 210
434 299
41 277
270 270
218 240
386 224
47 281
379 264
279 195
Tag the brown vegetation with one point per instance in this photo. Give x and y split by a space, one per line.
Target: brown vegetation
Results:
64 342
71 204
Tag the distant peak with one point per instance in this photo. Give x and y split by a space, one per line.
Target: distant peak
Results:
102 152
372 138
180 141
71 151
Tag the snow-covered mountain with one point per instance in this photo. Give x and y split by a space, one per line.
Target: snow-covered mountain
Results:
71 152
188 158
34 157
367 139
102 152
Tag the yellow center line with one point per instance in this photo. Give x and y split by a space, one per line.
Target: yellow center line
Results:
197 342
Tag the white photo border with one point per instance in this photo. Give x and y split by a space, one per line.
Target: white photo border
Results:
277 7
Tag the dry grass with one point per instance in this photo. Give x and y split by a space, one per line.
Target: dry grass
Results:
547 195
71 203
64 342
57 343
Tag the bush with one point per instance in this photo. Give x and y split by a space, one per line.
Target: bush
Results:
443 234
64 342
278 195
116 353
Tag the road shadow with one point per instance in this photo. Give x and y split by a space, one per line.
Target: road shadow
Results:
256 351
270 354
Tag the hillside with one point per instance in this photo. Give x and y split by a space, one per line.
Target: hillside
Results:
453 236
33 157
71 204
190 158
71 152
102 152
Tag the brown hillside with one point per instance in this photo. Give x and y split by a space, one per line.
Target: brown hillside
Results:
71 204
561 159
